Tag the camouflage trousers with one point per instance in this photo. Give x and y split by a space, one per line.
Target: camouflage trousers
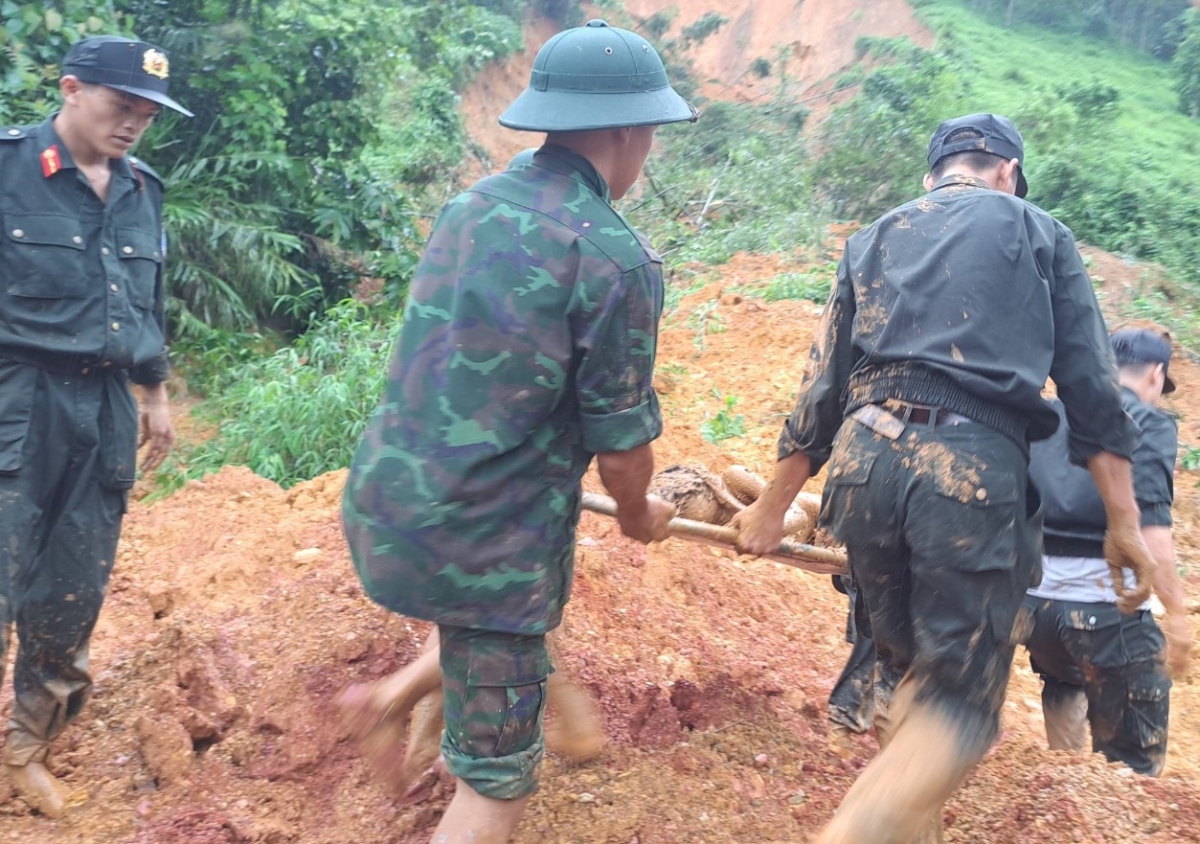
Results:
495 701
1100 664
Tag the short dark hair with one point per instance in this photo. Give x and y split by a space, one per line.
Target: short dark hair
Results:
976 160
1136 369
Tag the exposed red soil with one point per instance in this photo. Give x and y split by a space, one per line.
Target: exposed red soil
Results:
234 617
808 41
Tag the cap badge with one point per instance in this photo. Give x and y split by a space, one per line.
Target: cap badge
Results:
156 64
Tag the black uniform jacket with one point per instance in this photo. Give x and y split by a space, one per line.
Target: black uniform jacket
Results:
966 299
81 281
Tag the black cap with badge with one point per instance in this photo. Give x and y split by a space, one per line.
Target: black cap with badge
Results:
997 135
124 64
1141 345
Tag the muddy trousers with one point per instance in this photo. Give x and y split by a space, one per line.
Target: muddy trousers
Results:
1101 667
67 451
942 546
852 701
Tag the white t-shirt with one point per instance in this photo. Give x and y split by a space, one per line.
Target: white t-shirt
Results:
1081 579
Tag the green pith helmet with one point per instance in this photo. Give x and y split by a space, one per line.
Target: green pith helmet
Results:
596 77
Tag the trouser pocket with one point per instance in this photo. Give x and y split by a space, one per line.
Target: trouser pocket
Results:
118 435
17 386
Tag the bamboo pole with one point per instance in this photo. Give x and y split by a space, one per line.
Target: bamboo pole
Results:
791 553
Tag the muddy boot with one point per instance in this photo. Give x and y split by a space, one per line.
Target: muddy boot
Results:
39 788
575 731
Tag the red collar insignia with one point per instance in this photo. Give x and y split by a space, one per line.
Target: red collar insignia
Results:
51 161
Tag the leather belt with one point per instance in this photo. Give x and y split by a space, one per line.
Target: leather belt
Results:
921 414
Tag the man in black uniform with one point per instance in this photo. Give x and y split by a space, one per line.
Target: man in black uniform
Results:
1097 664
81 316
922 392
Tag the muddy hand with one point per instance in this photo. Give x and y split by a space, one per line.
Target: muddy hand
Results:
651 523
1124 548
760 529
1179 643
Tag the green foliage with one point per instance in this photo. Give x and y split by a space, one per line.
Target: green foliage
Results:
876 143
738 181
705 320
813 285
725 424
1186 65
1191 460
1148 25
33 39
298 412
272 210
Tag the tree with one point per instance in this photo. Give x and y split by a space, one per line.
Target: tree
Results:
1186 65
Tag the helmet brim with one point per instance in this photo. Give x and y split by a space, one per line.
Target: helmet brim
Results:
573 111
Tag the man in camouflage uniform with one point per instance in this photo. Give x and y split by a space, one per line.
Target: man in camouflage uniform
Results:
527 348
81 316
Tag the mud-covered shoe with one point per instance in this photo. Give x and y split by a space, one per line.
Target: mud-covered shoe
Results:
39 788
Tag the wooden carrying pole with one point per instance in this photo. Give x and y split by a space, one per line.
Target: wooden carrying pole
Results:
790 553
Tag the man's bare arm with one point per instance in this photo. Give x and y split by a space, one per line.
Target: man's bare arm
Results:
626 475
1124 547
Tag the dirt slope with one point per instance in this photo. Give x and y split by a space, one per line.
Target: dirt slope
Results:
235 616
811 39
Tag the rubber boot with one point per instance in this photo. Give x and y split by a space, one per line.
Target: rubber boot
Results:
39 788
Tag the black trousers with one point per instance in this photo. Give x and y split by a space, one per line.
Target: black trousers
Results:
943 538
67 452
1094 652
852 700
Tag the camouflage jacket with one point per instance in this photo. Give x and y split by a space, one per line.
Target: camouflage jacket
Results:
528 346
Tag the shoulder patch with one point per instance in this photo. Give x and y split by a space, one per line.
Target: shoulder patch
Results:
145 168
13 133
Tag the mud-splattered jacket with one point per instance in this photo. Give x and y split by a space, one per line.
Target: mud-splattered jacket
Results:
528 346
81 282
964 299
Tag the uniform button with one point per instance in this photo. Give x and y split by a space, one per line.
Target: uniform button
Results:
77 239
106 364
103 250
14 132
981 493
116 326
18 232
83 371
1092 619
128 250
113 288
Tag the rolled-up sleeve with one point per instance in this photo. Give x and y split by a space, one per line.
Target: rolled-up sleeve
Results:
616 342
820 404
1083 369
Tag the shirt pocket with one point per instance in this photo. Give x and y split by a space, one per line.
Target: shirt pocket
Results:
17 385
44 256
141 256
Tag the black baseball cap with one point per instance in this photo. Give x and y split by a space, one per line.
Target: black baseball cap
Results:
999 136
1141 345
124 64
